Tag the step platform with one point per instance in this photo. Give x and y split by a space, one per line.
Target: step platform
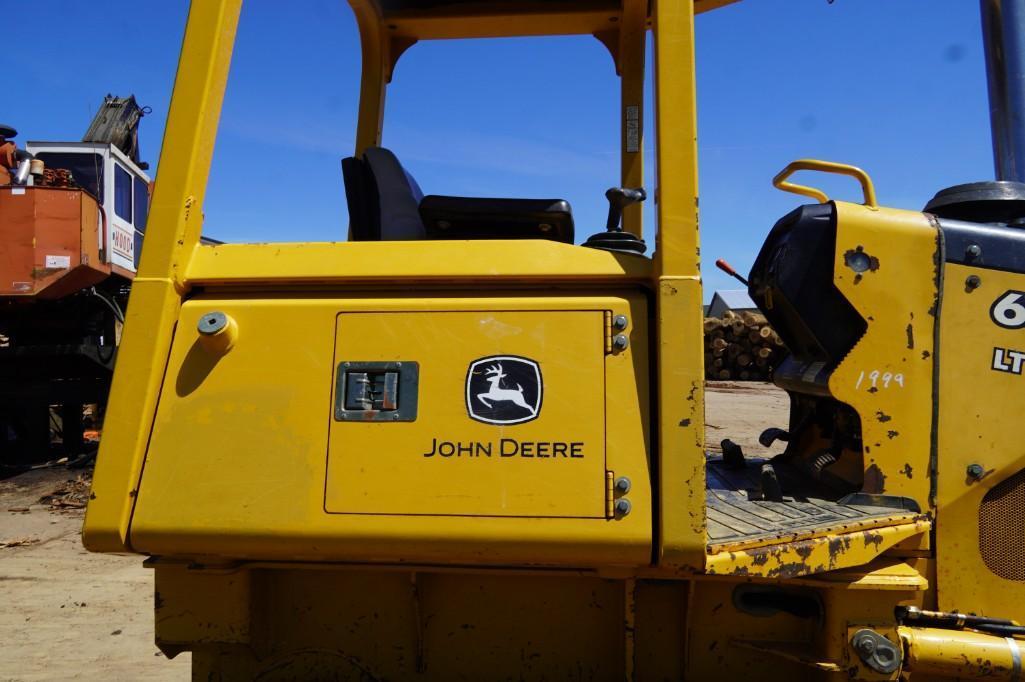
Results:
800 535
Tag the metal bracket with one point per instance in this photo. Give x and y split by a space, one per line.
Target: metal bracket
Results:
877 652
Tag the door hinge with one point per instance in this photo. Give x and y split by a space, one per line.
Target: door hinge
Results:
610 495
608 332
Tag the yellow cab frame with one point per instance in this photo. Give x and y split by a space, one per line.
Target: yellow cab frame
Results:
176 264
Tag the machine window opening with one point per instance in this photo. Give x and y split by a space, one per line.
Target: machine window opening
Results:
122 193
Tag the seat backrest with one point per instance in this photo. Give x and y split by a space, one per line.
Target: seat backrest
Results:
383 198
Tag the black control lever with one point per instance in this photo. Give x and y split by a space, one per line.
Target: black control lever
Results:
619 198
614 238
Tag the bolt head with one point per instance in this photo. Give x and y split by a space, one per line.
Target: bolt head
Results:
623 507
620 322
866 645
620 342
973 251
975 471
972 282
623 485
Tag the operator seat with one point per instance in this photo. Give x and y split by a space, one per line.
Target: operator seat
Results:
386 203
384 199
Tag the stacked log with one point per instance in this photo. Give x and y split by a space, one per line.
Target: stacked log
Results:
741 347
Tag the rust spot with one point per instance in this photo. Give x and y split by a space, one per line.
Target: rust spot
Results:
693 391
758 556
838 546
791 570
92 496
804 551
911 336
925 355
684 422
873 390
875 480
882 416
907 470
872 537
892 434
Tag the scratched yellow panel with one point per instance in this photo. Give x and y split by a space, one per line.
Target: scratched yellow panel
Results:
550 463
888 375
979 423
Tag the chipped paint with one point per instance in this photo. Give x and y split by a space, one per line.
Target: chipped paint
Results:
875 480
813 555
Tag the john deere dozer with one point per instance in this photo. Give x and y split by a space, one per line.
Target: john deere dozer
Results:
332 452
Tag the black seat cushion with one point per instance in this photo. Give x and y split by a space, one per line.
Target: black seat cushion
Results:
473 218
385 203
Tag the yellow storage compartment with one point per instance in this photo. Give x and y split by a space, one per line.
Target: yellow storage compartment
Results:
390 428
508 420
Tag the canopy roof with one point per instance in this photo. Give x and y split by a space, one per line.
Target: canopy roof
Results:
440 19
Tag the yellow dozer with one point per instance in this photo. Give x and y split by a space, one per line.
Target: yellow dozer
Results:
332 452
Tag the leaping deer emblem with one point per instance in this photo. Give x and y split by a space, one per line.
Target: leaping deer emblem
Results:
496 393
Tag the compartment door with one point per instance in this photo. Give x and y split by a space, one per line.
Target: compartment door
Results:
468 413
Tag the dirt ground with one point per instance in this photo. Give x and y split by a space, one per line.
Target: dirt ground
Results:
68 614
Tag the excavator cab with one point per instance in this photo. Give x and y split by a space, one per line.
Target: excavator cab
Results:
460 445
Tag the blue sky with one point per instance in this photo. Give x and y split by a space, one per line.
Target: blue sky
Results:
894 86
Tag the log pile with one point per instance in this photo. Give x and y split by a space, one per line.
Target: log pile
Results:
741 346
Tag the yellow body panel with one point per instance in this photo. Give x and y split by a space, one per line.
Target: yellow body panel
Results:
888 375
256 421
976 426
388 262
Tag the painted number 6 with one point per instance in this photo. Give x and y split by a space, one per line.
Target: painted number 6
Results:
1008 311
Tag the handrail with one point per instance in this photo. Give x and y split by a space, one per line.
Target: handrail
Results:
867 188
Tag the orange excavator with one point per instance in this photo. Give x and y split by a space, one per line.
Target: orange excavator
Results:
72 220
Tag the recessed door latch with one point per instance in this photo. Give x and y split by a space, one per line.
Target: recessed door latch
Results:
377 391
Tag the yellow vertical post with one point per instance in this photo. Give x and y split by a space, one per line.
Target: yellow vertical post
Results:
175 225
632 33
681 412
373 84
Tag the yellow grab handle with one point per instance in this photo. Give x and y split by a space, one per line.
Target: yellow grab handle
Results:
780 181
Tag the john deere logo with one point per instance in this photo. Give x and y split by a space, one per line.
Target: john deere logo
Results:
503 389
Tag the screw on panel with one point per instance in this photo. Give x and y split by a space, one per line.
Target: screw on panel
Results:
623 485
972 283
620 322
620 342
975 471
973 251
623 507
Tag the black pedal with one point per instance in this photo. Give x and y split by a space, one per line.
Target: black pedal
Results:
732 455
772 491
